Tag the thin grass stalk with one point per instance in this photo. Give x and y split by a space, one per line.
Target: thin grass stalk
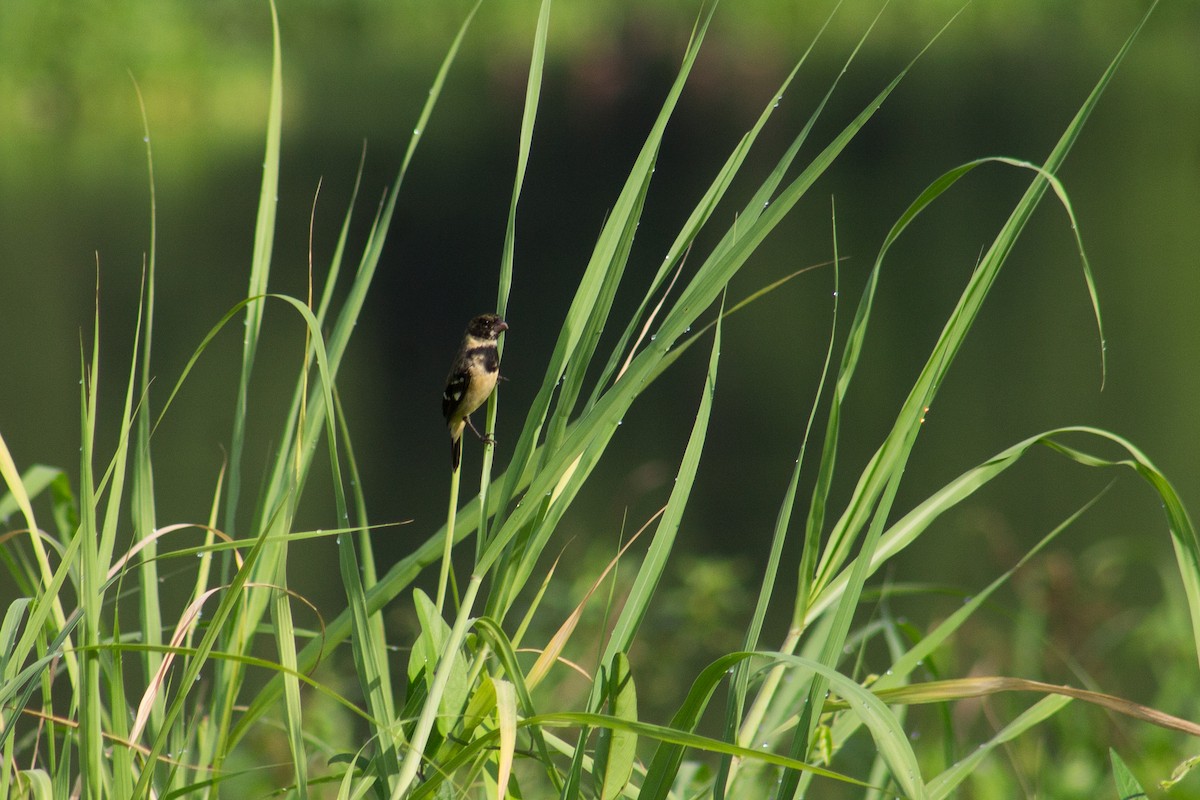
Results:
91 580
745 730
451 513
115 475
285 639
260 268
143 514
284 630
205 746
228 676
533 91
370 642
118 728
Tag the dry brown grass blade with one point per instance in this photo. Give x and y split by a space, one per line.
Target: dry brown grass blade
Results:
963 688
550 654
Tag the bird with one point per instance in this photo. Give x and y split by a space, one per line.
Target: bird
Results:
472 379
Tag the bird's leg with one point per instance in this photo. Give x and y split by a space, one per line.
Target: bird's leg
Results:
482 438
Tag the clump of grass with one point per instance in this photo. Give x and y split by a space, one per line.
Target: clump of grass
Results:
101 705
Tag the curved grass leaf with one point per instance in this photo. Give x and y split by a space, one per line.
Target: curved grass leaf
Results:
943 785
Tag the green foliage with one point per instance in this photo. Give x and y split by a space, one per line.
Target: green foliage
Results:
188 716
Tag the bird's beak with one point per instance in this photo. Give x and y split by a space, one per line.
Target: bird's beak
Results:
501 326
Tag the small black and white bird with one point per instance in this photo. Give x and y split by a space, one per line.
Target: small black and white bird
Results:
471 380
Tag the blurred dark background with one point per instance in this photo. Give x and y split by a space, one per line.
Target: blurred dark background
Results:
1004 79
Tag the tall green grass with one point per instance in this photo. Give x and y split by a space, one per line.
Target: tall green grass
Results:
100 703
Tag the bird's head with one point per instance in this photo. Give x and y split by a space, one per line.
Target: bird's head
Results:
487 326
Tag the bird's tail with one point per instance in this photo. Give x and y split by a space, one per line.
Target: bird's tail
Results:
455 453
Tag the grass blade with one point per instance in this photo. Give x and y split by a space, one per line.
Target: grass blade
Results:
260 269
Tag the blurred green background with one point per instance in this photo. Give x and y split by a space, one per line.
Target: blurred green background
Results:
1004 79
